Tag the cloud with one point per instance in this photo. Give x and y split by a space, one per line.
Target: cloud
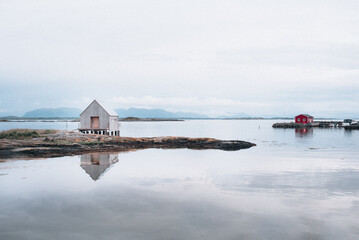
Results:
251 56
338 56
78 103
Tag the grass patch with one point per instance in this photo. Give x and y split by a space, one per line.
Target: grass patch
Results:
47 131
21 134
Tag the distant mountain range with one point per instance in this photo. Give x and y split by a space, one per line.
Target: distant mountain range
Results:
155 113
54 113
236 115
122 113
138 113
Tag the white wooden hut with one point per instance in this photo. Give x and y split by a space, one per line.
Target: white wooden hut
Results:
97 119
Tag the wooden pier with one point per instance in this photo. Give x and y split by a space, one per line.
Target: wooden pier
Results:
320 124
327 124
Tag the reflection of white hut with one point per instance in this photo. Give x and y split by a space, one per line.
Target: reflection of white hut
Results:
96 164
100 120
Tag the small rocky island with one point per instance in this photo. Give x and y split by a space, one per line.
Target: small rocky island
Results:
31 143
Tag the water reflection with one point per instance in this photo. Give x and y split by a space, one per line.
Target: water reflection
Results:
96 164
181 194
304 132
273 191
348 133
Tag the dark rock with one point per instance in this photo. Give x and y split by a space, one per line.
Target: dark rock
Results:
63 143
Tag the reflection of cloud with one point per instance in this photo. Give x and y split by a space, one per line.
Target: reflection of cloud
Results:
323 183
117 212
153 181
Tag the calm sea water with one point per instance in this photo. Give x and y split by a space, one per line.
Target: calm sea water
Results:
292 185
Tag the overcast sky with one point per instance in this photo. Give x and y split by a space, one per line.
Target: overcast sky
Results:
278 57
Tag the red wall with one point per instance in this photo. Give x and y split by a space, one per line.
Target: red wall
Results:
303 119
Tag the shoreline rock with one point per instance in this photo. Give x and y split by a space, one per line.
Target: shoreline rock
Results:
354 126
66 143
320 124
293 125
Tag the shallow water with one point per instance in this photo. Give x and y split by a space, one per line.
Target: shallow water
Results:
292 185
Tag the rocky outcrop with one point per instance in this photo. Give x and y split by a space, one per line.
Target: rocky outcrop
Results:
320 124
354 126
293 125
64 143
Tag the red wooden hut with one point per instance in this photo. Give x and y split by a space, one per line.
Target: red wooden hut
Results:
304 118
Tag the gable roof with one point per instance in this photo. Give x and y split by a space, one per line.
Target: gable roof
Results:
107 109
306 115
96 171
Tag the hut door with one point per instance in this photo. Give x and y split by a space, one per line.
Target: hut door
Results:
95 159
94 122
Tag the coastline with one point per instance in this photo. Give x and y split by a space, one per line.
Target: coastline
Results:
32 143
